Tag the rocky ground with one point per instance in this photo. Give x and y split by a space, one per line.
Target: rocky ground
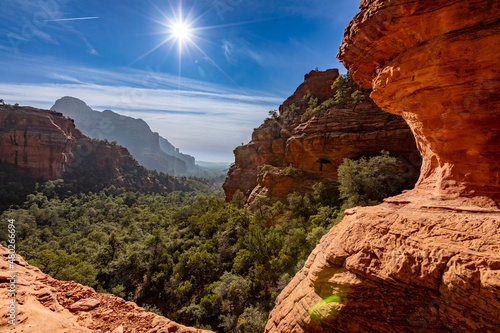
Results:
46 305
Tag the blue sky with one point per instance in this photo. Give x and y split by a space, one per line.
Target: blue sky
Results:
243 58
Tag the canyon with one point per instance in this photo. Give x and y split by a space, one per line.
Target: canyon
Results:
428 259
425 260
46 145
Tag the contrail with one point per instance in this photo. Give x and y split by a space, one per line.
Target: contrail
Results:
74 19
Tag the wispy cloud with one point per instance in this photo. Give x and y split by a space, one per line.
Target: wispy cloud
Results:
29 21
65 78
148 79
238 50
90 48
123 98
73 19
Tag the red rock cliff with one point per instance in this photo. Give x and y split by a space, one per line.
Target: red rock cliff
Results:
437 64
38 141
315 147
427 260
46 305
46 144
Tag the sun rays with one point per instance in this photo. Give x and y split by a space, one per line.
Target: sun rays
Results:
182 30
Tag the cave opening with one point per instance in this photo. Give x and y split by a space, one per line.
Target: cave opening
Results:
321 162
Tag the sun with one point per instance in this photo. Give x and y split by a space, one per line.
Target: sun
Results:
181 28
181 31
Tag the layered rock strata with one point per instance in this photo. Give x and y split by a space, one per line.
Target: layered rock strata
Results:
37 141
429 259
46 144
436 63
315 147
46 305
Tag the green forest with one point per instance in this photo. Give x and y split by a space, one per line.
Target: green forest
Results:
189 255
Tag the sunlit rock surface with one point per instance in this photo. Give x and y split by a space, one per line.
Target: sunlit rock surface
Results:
37 141
46 305
429 259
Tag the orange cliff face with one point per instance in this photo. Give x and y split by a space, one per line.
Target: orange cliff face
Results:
436 63
316 147
46 305
37 141
46 144
427 260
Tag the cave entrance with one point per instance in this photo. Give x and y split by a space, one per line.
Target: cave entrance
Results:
321 162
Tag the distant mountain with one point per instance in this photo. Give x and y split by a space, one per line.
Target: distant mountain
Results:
147 147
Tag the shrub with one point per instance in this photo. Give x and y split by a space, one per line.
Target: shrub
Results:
234 290
264 168
251 321
273 114
152 308
317 110
239 199
290 171
326 194
342 84
368 181
291 112
358 96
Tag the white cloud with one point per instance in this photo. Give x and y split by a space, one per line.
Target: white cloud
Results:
65 78
90 48
241 49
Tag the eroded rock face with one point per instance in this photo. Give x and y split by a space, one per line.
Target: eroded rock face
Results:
318 146
46 144
428 266
47 305
436 64
427 260
37 141
318 83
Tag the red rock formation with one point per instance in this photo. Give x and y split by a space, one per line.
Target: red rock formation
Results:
46 144
399 268
318 83
46 305
429 259
315 147
436 63
101 155
38 141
